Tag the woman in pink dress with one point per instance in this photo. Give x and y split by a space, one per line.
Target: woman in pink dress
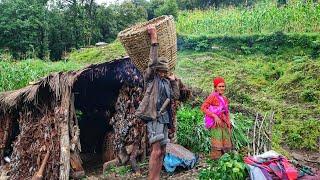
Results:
216 109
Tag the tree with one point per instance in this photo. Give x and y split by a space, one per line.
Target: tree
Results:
23 28
142 3
169 7
162 7
39 28
114 18
106 23
128 14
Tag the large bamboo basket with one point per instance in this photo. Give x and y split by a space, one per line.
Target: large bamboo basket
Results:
137 42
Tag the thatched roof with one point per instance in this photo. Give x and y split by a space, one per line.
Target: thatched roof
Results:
54 84
43 115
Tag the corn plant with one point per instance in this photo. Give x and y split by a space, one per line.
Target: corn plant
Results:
295 17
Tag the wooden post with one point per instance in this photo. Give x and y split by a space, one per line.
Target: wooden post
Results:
5 133
64 148
64 138
2 141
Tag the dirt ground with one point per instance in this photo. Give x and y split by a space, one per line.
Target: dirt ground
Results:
94 169
311 159
180 173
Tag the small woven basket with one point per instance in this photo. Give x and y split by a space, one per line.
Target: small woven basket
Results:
136 41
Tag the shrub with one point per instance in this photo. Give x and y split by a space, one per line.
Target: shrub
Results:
276 43
229 167
191 132
300 134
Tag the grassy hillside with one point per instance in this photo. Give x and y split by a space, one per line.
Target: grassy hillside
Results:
97 54
262 83
295 17
270 58
17 74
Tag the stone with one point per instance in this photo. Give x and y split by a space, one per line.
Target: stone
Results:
101 44
298 156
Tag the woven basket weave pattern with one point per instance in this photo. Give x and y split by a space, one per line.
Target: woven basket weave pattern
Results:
137 42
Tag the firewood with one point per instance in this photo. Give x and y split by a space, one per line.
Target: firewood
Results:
77 171
39 173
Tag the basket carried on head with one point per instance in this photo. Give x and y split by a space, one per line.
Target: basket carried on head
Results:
136 41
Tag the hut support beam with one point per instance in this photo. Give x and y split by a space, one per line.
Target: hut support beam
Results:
64 142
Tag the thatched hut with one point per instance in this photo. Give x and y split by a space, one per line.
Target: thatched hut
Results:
53 126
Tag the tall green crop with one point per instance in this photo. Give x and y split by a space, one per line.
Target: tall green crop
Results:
262 18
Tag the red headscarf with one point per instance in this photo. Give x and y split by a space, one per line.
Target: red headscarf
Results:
217 80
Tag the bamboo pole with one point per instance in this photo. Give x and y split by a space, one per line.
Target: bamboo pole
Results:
270 129
260 138
254 136
248 144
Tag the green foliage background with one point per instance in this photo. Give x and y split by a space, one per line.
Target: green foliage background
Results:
192 134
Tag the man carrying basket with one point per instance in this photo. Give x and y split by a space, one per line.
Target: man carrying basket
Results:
155 108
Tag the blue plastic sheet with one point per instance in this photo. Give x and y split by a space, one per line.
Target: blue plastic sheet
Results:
177 155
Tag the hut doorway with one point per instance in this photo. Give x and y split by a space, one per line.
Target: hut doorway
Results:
94 128
94 104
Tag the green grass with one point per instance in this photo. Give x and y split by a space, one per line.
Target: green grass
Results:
192 134
17 74
120 170
98 54
296 16
230 166
284 45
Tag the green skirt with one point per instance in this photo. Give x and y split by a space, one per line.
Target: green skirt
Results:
221 138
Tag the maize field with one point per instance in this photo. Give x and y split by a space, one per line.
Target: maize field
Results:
295 17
